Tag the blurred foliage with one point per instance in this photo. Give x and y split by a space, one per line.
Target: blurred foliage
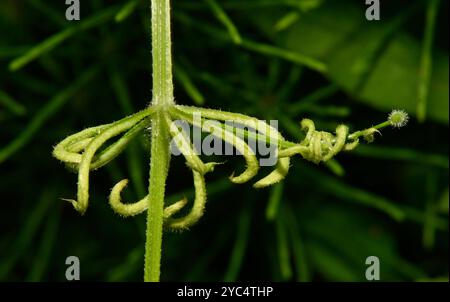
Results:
275 59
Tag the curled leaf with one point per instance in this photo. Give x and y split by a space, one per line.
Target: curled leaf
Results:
280 172
126 209
136 208
252 164
184 145
197 208
84 167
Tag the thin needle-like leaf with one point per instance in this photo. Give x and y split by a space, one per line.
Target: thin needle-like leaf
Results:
426 59
12 105
186 82
274 201
283 248
265 49
222 16
58 38
45 250
240 245
27 232
126 10
44 114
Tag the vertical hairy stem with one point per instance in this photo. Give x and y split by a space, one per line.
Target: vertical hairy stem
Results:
160 155
162 53
159 165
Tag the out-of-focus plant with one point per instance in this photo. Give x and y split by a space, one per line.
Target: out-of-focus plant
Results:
85 150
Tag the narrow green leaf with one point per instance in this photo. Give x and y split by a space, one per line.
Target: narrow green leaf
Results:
298 247
186 82
402 154
46 247
286 21
426 59
126 10
26 233
11 104
44 114
273 205
222 16
283 249
240 246
348 193
58 38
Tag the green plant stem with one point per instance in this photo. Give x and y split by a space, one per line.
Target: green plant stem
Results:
360 133
160 155
162 54
283 143
158 174
426 59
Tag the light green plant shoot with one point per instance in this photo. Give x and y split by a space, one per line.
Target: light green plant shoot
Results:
86 151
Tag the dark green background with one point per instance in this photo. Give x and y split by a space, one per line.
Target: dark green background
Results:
328 220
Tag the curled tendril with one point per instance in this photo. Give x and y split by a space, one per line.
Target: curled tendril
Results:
267 131
125 209
68 151
199 169
185 146
197 209
91 140
133 209
249 155
277 175
319 146
81 152
182 223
